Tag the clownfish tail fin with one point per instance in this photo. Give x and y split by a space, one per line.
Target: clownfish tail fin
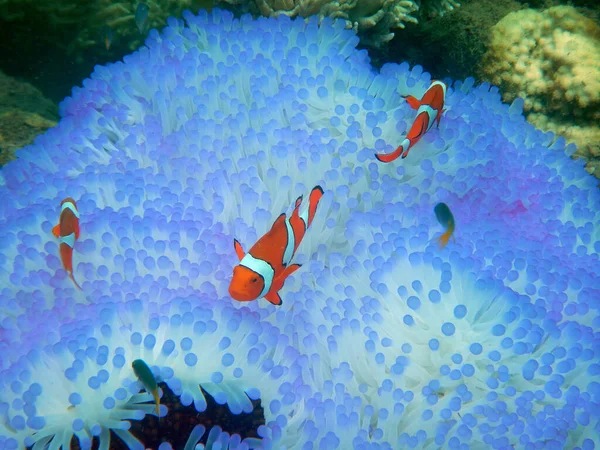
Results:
389 157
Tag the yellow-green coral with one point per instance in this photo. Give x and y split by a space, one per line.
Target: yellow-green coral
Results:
24 113
551 59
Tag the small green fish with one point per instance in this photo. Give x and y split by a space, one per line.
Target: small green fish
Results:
146 377
446 219
141 16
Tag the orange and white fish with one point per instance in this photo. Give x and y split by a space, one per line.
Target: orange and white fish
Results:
429 110
263 270
67 232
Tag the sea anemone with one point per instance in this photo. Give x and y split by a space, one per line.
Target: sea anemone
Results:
383 340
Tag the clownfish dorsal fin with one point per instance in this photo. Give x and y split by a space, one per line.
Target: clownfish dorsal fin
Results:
274 298
56 230
413 102
239 251
313 201
279 221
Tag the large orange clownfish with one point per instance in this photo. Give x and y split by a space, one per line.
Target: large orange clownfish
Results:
263 270
67 232
429 110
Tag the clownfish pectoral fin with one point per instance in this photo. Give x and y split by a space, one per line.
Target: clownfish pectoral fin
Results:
239 251
274 298
413 102
56 230
289 270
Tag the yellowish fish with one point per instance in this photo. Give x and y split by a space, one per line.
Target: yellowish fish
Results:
146 377
446 219
108 36
141 16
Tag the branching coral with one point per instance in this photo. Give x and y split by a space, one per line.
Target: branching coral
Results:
372 20
552 60
383 340
437 8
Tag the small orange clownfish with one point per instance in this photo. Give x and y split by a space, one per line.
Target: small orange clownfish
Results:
263 270
429 110
67 232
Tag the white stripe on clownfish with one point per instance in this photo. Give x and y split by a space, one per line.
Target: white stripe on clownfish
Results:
304 215
439 83
288 254
71 207
69 240
261 268
432 113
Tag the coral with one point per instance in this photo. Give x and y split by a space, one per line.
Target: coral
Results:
22 96
551 59
24 113
17 129
58 13
120 16
438 8
453 43
383 341
76 26
373 20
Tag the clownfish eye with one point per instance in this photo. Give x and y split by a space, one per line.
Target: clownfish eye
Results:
254 280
